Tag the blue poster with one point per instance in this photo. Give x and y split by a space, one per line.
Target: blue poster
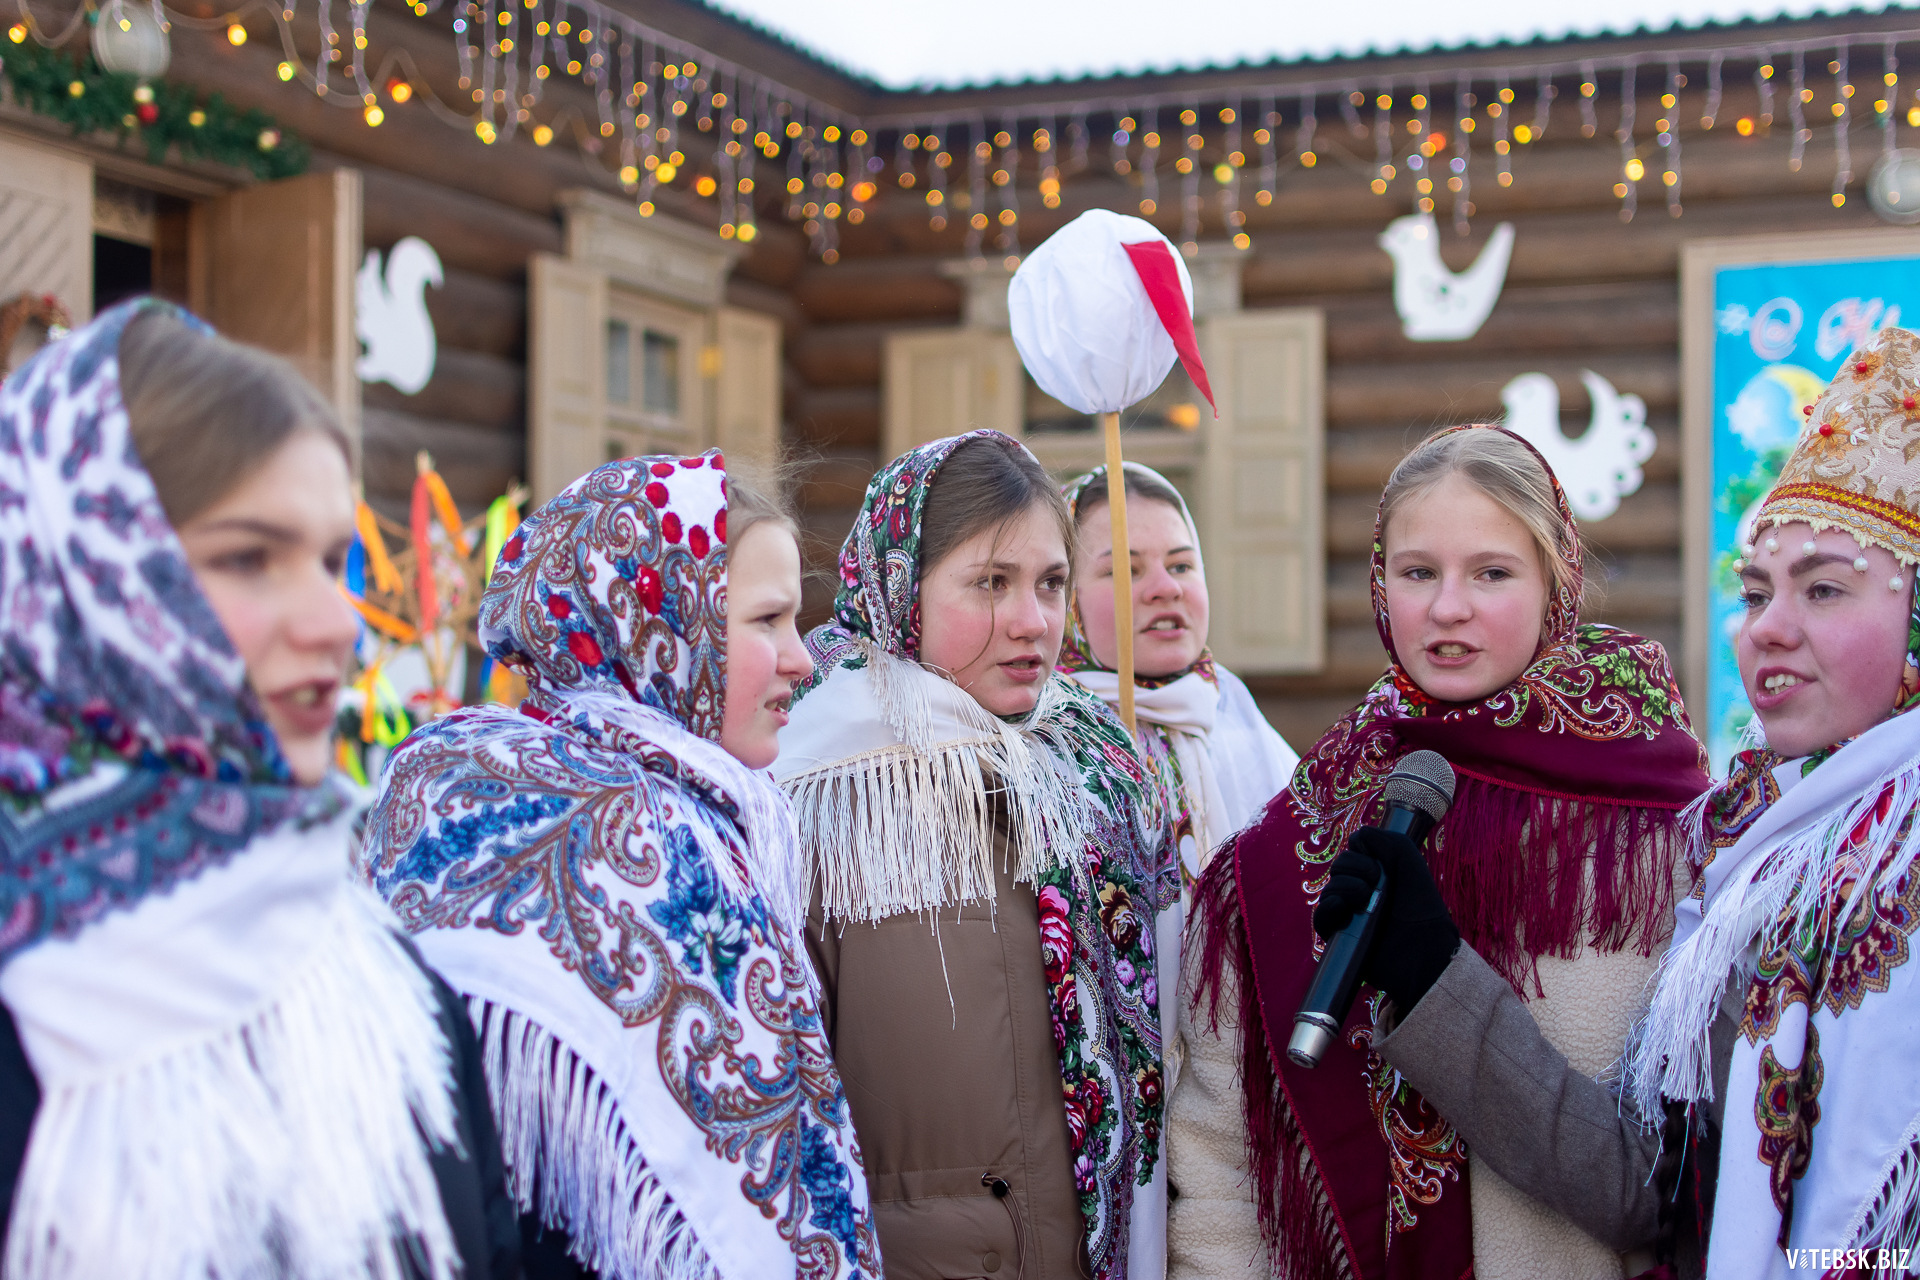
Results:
1780 332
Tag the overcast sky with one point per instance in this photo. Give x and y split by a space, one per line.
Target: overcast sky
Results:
904 43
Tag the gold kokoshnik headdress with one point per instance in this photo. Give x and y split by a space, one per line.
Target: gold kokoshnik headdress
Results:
1857 465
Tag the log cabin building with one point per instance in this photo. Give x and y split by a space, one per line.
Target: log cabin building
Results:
608 286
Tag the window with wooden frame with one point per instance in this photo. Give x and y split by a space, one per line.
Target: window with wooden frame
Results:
654 387
633 350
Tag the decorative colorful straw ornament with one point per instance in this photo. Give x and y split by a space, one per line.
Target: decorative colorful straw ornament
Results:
1100 312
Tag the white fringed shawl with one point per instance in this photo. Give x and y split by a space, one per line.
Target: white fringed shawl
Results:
235 1078
895 773
1837 842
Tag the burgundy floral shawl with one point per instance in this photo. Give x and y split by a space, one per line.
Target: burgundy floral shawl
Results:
1562 833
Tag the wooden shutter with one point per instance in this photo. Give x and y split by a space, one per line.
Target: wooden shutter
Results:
274 266
46 226
567 341
1262 490
944 381
746 403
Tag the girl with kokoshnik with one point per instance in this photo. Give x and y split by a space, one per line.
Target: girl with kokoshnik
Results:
1766 1114
218 1057
990 854
1559 857
1197 725
615 886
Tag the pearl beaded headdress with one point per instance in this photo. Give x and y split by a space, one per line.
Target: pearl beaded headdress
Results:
1856 467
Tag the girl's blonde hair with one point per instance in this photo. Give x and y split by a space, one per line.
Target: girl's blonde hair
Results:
759 491
1506 471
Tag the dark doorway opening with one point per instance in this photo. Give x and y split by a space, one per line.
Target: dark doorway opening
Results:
121 270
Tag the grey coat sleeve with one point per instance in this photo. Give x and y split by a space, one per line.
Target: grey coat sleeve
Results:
1471 1048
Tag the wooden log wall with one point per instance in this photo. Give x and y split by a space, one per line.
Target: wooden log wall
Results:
1585 290
472 415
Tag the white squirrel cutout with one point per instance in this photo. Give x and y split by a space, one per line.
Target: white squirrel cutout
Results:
1435 304
1603 465
390 315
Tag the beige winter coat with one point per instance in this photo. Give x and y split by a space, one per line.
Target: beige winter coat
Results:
944 1040
1213 1231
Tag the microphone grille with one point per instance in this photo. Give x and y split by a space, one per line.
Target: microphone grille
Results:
1421 780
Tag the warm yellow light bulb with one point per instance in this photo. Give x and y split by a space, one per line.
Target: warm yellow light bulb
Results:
236 34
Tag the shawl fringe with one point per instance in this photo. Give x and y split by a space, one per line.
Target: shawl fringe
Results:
1891 1219
1567 871
1669 1051
570 1155
1297 1218
295 1143
910 827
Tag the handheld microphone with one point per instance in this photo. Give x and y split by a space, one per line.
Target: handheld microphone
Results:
1418 794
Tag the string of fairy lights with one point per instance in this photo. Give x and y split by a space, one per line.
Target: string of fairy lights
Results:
669 113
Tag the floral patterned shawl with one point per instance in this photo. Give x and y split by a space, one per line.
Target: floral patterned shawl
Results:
1562 834
1808 898
896 775
208 1000
619 899
1215 756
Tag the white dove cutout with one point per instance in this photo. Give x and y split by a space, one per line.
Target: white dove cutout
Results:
1434 303
1603 465
390 315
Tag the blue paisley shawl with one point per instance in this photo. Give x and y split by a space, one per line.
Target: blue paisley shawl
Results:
619 899
881 846
207 997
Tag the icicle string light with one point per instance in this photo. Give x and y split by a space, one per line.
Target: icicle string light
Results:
1189 162
1232 215
1268 135
1670 135
1632 169
642 118
1423 146
1890 93
1842 118
1502 143
1796 112
1461 183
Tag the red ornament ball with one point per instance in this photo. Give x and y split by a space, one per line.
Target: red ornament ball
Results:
146 112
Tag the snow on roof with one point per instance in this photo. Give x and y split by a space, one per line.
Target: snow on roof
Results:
928 45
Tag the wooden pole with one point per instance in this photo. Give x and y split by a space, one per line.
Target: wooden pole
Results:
1122 564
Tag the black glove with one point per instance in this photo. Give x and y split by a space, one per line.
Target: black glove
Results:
1415 938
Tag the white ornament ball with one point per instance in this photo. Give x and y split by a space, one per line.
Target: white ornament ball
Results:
1773 544
1859 564
128 39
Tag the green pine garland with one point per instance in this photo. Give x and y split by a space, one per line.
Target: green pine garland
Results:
84 96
